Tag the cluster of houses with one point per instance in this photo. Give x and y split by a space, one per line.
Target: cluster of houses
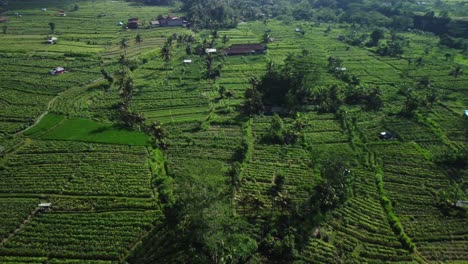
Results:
169 21
240 49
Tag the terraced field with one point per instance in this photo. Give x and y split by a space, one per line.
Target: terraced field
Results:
63 141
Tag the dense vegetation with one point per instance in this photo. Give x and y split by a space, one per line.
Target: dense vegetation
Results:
345 142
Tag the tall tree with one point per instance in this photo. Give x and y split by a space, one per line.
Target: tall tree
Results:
138 39
52 26
124 45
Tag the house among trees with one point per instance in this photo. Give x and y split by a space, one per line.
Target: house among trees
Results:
133 23
245 49
208 51
170 21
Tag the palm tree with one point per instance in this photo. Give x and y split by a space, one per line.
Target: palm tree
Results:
138 40
166 53
52 26
124 45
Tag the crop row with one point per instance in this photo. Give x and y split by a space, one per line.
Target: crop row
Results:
86 170
14 211
106 236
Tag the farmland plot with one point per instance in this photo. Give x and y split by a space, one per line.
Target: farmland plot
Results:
410 181
77 168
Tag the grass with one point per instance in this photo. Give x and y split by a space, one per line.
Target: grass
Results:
46 123
58 127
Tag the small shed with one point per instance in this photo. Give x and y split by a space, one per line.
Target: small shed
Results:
385 135
208 51
52 40
44 207
133 23
466 114
43 9
120 23
58 70
187 61
297 30
154 24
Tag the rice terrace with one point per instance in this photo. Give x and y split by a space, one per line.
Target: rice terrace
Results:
233 131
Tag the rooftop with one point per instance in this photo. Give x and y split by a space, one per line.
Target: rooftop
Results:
245 48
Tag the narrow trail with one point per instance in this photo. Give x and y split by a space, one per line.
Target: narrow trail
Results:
40 117
49 104
22 225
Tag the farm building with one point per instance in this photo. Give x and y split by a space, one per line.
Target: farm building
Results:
172 22
133 23
245 49
3 19
187 61
52 40
154 24
385 135
44 207
208 51
58 70
62 13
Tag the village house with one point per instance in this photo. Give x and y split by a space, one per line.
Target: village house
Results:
245 49
3 19
62 13
154 24
172 22
133 23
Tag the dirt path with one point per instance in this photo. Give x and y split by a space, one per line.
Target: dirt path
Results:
23 224
49 104
40 117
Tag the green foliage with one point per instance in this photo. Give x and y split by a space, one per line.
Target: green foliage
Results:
334 187
60 128
375 36
290 84
204 221
392 218
46 123
52 26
